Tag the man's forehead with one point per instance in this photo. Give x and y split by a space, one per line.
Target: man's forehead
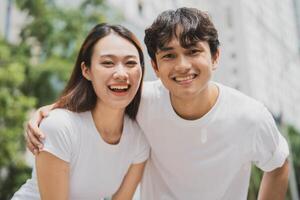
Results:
175 42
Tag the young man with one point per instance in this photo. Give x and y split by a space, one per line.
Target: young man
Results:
203 135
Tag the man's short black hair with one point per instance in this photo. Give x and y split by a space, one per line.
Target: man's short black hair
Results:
193 25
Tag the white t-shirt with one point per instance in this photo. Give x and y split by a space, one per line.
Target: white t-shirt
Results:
209 158
96 167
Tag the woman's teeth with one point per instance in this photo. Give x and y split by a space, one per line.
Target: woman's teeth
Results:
119 87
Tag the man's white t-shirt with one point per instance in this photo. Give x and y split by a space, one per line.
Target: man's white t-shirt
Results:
96 167
209 158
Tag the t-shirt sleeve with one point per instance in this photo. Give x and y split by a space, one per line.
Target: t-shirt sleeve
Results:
142 149
270 148
58 135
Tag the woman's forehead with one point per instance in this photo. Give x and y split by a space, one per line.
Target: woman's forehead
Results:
115 44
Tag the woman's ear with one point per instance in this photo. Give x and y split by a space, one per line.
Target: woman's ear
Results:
85 71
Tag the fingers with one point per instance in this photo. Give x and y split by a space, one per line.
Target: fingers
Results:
44 112
34 136
30 145
37 119
33 125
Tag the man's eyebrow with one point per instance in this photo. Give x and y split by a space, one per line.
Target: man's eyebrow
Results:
192 46
162 49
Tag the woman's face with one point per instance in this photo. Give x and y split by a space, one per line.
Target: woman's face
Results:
115 71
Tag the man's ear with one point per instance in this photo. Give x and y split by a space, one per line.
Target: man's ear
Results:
85 71
215 59
155 68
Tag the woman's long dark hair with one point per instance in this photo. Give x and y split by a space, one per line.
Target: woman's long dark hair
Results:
79 95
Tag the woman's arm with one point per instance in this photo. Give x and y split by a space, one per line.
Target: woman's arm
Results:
130 182
53 177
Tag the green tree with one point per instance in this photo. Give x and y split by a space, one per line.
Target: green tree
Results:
14 106
33 73
294 138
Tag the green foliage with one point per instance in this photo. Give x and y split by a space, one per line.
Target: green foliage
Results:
294 138
34 72
14 106
256 175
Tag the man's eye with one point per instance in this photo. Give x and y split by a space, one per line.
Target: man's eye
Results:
168 56
194 51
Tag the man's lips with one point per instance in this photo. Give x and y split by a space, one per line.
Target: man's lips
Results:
184 78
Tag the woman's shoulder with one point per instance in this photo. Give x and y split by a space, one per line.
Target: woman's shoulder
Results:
61 119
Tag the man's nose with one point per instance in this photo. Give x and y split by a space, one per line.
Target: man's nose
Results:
183 65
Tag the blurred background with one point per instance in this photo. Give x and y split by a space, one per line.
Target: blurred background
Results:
39 40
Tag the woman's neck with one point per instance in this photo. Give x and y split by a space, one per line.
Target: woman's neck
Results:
109 122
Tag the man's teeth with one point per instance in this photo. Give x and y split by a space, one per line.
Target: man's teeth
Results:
185 78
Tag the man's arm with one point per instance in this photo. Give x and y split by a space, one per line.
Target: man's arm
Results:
53 177
274 184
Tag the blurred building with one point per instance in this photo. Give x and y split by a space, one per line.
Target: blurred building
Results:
297 14
259 46
261 53
11 21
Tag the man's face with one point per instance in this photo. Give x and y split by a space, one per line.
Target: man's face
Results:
185 72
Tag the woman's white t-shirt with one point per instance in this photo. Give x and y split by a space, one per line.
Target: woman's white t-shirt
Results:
96 167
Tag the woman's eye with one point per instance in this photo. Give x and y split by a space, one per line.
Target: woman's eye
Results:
131 63
107 63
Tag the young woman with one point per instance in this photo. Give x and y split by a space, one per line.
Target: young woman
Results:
94 148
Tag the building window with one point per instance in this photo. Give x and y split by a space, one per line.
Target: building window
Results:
233 55
229 18
140 6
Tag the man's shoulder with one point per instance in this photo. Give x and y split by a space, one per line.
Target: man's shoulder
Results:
242 105
237 97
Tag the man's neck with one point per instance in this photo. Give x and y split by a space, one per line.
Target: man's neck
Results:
196 107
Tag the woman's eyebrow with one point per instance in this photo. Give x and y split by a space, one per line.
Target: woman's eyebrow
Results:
114 56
